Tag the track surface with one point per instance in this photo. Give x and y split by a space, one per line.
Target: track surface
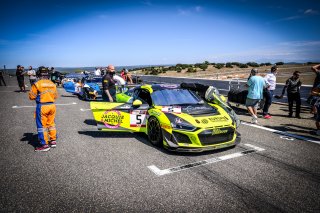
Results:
92 171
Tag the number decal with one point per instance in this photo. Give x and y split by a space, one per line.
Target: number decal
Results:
138 118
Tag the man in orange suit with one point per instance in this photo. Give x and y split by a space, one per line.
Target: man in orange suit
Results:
44 92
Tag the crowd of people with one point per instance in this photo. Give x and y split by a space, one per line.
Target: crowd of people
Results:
260 88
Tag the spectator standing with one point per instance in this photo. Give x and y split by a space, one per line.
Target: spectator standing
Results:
292 86
127 77
32 75
271 81
255 85
20 78
2 79
316 70
44 92
109 85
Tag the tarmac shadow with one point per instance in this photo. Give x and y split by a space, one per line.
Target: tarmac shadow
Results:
90 122
68 96
31 138
143 138
18 91
299 132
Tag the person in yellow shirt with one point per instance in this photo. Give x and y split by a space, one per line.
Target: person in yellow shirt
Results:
44 92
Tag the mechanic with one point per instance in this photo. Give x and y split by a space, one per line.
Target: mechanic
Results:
271 81
44 92
109 85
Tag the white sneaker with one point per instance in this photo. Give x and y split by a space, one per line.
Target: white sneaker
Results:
254 120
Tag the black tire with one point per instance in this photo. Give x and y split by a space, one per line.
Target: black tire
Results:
155 132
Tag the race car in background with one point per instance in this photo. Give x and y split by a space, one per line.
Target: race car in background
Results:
185 117
89 88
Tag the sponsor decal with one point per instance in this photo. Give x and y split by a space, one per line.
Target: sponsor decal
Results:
138 118
217 119
165 126
155 113
126 106
170 86
174 109
112 119
196 108
178 120
219 131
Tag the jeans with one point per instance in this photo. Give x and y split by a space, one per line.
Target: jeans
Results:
269 97
291 98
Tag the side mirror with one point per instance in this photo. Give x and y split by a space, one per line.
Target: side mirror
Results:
137 103
223 98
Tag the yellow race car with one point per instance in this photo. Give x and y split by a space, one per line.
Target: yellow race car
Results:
185 117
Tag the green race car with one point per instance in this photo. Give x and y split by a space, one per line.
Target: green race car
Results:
186 117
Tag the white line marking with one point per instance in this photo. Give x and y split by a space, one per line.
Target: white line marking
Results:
84 110
18 107
281 132
160 172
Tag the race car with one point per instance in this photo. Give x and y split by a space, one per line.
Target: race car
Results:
186 118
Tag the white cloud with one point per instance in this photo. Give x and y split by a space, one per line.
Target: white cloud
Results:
311 12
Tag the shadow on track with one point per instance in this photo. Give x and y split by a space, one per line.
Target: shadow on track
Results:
31 138
143 138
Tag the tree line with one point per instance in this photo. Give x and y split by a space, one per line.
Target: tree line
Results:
191 68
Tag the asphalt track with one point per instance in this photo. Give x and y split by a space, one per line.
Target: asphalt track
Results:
93 171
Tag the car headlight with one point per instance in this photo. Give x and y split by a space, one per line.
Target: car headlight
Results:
180 124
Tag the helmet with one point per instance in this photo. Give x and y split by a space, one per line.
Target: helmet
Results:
43 70
126 71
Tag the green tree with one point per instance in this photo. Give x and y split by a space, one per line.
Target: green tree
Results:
203 67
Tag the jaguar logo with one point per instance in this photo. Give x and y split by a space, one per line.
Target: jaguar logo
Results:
219 131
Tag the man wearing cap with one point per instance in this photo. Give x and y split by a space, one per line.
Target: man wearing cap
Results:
109 85
44 92
255 86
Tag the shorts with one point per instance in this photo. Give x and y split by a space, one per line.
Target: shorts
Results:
252 102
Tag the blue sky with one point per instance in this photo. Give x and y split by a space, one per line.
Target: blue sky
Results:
97 33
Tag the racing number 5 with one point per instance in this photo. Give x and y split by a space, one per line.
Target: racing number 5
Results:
138 118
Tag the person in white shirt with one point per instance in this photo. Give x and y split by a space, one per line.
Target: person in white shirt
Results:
97 72
271 81
77 86
32 75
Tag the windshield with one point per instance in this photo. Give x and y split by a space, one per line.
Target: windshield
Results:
167 97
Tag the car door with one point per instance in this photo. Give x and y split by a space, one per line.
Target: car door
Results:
125 117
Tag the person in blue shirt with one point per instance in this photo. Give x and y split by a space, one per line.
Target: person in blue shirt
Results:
255 85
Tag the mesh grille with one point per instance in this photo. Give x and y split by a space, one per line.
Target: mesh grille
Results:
215 138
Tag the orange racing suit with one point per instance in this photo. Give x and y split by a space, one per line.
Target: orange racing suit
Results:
44 92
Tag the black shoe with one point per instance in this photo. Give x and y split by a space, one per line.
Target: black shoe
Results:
290 115
298 116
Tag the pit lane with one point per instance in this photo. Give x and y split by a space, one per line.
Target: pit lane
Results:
93 171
